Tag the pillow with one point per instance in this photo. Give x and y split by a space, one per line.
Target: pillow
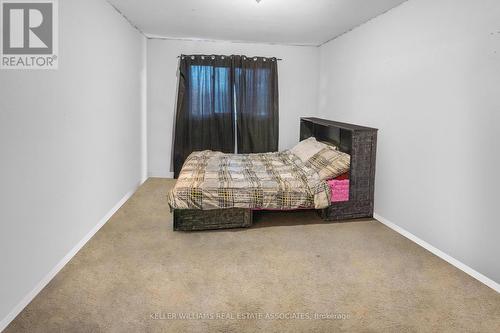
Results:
330 144
307 148
329 163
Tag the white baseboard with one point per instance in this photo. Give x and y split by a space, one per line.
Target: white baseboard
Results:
458 264
161 174
31 295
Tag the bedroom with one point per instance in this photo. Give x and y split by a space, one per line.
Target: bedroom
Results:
86 231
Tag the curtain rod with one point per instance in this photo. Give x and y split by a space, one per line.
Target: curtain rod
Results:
279 59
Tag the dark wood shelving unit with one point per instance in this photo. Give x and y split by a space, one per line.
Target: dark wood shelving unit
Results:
361 143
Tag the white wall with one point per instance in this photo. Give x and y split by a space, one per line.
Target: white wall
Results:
298 79
427 74
70 144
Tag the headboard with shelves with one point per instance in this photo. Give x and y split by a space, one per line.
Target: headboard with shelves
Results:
361 143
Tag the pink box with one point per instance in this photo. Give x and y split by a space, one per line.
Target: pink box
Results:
340 190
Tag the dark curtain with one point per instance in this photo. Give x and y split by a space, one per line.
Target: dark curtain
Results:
256 92
205 104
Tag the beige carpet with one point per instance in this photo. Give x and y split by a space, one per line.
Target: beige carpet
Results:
136 274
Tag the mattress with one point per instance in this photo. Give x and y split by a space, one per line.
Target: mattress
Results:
280 180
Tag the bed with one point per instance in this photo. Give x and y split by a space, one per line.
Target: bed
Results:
217 191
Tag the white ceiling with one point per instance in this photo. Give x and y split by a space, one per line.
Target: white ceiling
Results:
296 22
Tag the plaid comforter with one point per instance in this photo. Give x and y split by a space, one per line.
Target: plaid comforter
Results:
214 180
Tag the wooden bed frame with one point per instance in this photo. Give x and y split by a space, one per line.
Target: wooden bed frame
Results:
358 141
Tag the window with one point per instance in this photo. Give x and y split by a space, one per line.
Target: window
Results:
209 86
